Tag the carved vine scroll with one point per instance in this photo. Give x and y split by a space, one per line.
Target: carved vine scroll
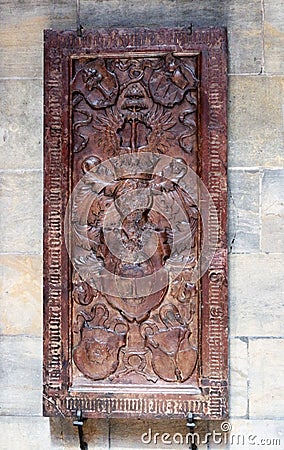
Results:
135 223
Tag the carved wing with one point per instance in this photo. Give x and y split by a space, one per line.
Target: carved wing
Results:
106 124
160 123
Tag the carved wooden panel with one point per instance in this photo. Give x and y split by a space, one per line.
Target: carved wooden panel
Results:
135 293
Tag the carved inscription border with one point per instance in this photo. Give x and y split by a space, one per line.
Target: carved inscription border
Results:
60 397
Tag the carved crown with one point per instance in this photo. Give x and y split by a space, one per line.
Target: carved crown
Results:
135 165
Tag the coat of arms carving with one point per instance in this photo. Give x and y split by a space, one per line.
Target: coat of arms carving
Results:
135 216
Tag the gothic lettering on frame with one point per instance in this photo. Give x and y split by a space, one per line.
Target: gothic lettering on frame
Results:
135 279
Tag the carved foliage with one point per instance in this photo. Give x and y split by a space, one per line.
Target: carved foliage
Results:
143 103
129 326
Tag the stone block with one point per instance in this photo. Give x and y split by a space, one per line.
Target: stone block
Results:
243 19
245 434
244 220
21 34
25 433
42 433
256 285
20 376
117 13
218 439
38 433
64 435
20 295
21 124
154 434
238 365
266 369
272 233
255 121
21 217
274 36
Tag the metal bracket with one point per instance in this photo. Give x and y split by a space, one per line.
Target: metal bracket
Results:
79 422
191 425
78 20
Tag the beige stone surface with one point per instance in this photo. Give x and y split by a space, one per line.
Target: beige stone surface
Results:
274 36
21 118
266 368
154 434
21 33
256 286
117 13
243 19
247 434
218 439
63 435
42 433
272 233
38 433
244 211
21 295
21 212
256 121
25 433
267 434
20 376
239 378
256 280
244 35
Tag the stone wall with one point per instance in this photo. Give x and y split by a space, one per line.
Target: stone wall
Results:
256 181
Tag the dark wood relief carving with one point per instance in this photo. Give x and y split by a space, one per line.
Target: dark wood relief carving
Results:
135 223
